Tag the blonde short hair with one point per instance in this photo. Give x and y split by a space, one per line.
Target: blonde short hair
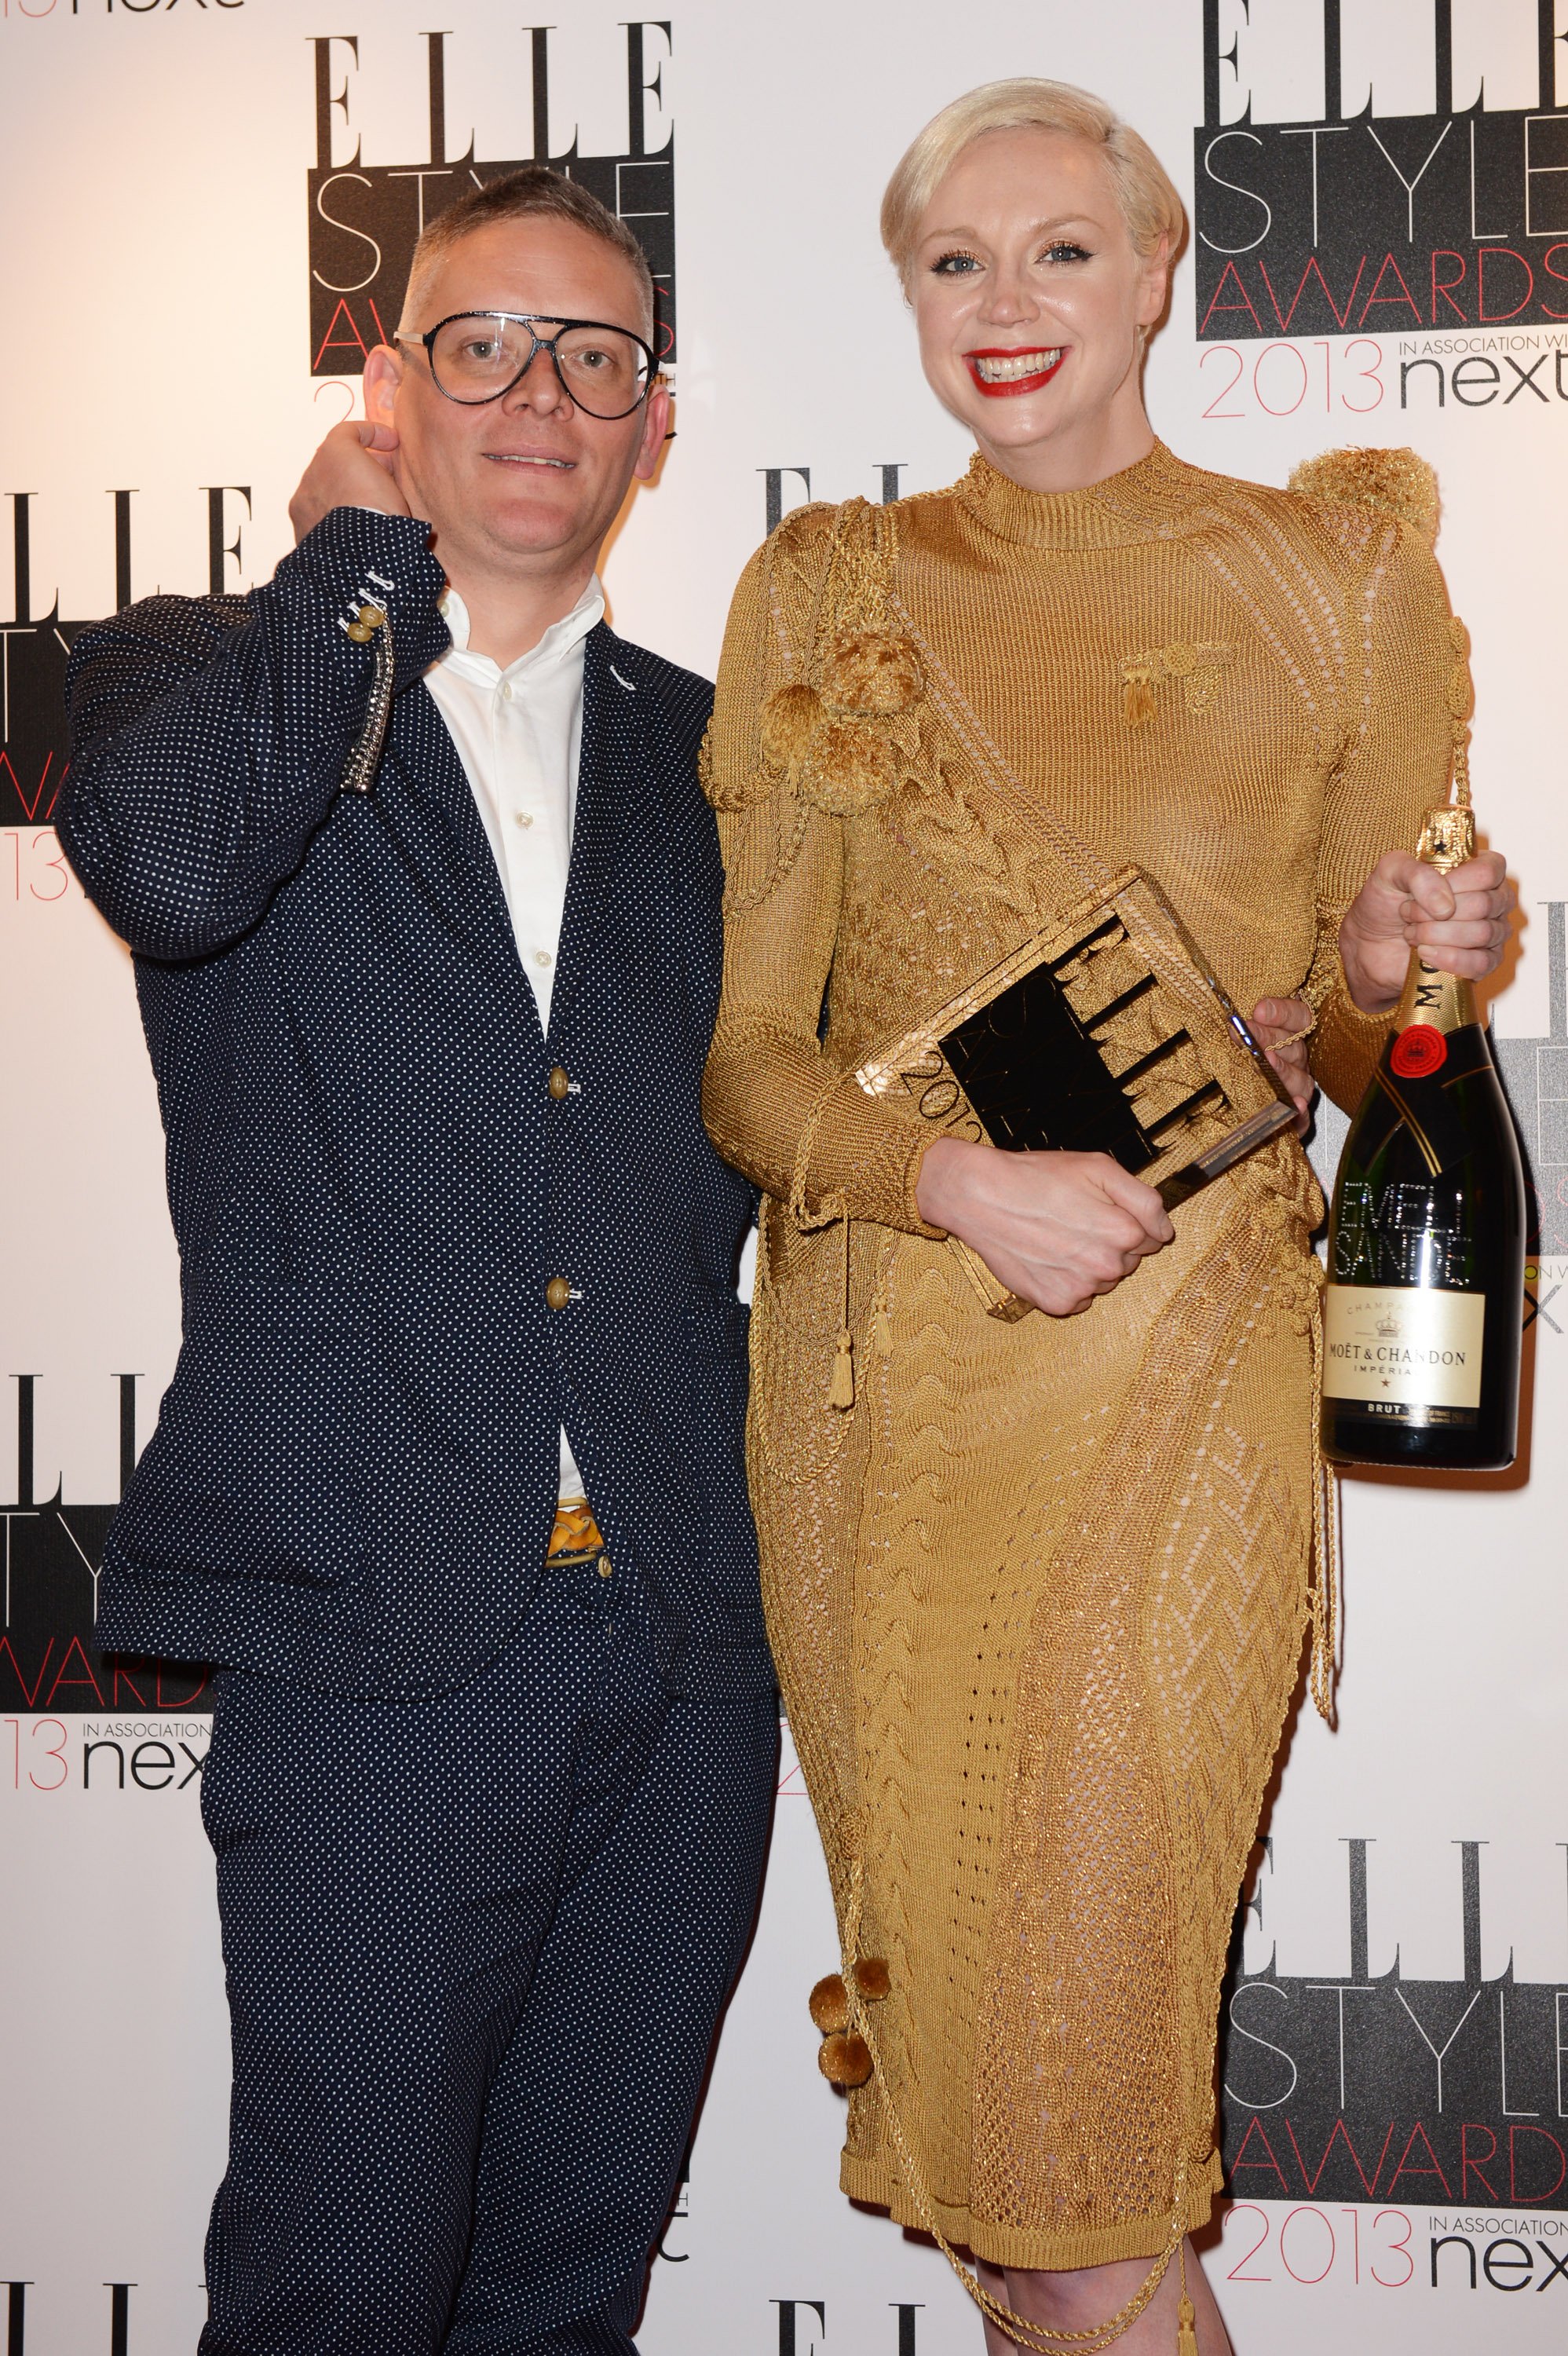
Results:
1145 191
533 192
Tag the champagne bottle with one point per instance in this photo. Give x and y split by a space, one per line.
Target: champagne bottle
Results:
1424 1307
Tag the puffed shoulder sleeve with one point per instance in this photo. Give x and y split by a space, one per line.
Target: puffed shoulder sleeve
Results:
777 1107
1408 693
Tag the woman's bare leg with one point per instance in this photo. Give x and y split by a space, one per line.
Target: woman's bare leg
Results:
1079 2301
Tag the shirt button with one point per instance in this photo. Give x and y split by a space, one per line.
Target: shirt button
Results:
560 1085
506 691
557 1293
543 956
522 817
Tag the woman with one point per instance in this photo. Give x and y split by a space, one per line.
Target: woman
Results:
1037 1590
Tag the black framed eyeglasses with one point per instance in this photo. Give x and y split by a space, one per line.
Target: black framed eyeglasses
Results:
478 355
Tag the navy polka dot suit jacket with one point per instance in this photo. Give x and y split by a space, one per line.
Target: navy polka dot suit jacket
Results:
353 1476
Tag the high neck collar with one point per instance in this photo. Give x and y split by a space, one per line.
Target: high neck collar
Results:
1145 501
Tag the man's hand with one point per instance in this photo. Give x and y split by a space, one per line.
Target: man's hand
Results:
1056 1228
1458 921
1280 1026
353 468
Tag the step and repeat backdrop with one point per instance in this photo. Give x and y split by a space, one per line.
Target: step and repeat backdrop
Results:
209 207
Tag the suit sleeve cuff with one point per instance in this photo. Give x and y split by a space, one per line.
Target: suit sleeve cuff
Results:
358 556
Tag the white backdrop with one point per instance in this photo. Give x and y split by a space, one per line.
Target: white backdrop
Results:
157 307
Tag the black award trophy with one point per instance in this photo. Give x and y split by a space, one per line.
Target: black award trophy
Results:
1107 1033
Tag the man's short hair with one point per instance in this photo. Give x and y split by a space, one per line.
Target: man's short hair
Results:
535 190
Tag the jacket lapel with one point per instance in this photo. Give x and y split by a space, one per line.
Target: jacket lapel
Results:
607 771
454 857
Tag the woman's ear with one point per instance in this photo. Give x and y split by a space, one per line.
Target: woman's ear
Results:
1156 285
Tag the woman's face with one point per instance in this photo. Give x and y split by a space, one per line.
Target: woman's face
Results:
1028 297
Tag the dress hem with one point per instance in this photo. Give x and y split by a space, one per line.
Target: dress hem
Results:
871 2179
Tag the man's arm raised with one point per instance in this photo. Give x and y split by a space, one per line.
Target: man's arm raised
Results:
207 744
353 468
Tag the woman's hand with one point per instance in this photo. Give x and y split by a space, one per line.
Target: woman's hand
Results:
1056 1228
1458 921
1280 1026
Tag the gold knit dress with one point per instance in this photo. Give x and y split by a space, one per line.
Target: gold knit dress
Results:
1038 1595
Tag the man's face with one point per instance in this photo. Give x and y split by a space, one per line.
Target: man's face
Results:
529 475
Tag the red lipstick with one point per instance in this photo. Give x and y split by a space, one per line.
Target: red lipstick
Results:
1013 384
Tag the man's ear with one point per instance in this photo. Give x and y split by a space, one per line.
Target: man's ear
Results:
383 374
655 430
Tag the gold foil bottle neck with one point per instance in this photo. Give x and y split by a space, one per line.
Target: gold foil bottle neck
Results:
1447 837
1443 1001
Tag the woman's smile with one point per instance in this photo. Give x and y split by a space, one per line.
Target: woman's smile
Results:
1024 278
999 372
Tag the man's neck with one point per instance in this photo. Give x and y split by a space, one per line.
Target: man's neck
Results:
508 617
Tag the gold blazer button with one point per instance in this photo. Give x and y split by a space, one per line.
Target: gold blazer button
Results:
558 1293
560 1085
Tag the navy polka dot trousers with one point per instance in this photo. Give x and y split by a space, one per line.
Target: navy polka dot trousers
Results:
477 1950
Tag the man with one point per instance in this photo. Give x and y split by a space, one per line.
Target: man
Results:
449 1478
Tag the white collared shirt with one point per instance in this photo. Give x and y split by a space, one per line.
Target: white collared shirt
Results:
518 734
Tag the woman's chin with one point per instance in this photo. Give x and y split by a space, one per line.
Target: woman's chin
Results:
1020 427
1003 415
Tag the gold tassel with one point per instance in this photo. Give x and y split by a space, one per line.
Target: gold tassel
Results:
841 1388
1138 705
1186 2333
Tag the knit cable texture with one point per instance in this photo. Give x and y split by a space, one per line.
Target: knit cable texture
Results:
1037 1593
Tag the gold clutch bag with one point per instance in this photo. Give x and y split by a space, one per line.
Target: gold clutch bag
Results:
1106 1032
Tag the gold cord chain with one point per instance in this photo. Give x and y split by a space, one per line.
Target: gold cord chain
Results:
1020 2329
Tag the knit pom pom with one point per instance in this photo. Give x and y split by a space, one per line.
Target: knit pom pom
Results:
844 2060
789 716
846 768
871 671
830 2005
872 1978
1395 479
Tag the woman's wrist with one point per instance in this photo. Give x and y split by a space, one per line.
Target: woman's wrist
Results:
942 1183
1368 992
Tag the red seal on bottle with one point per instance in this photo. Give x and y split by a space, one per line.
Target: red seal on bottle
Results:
1418 1052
